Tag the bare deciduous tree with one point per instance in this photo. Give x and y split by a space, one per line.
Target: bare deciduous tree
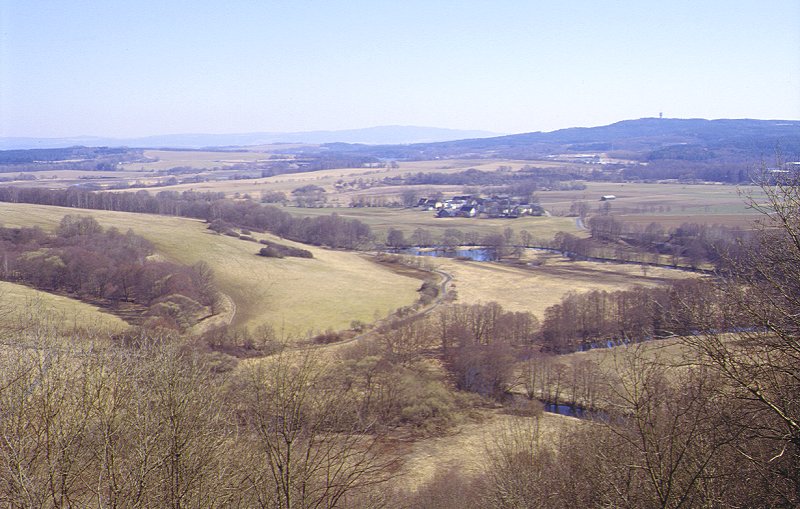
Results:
307 452
761 363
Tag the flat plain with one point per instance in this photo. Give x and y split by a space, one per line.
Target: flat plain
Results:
381 219
668 203
534 289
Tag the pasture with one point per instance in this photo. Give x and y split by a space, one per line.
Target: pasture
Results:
17 302
466 447
381 219
293 295
670 204
534 289
326 179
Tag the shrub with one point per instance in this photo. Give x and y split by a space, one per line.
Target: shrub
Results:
327 337
270 252
275 250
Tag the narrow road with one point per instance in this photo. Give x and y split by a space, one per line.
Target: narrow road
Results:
224 317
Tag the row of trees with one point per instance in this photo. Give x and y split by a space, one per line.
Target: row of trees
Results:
332 230
690 243
630 316
522 182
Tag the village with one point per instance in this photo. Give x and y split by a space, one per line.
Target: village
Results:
496 206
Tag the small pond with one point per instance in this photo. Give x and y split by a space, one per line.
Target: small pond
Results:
478 254
575 411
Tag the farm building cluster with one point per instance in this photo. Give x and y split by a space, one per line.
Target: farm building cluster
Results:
474 206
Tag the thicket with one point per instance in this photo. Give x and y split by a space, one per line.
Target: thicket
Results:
275 250
153 426
690 243
91 263
601 318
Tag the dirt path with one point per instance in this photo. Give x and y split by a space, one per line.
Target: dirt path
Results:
224 317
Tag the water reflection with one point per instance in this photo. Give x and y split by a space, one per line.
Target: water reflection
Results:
480 254
576 411
568 410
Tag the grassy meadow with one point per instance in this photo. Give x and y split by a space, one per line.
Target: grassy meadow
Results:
670 204
465 449
19 301
407 220
294 295
534 289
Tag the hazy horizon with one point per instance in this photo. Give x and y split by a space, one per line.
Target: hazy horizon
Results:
368 128
122 70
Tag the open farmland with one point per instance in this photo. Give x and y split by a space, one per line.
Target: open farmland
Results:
294 295
407 220
534 289
166 159
371 177
669 204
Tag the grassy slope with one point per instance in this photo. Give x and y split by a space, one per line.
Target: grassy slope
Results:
292 294
18 299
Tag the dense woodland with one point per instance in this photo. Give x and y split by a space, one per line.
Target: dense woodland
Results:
73 158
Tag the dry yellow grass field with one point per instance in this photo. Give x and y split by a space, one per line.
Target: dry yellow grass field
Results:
166 159
534 289
323 178
466 447
707 203
293 295
18 301
667 351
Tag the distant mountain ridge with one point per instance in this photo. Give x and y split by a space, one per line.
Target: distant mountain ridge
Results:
648 138
693 141
384 135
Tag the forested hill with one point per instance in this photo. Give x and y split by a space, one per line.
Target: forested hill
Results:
642 139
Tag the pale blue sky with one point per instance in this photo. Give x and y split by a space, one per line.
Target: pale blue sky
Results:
134 68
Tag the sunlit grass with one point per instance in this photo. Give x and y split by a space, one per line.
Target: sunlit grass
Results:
293 295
